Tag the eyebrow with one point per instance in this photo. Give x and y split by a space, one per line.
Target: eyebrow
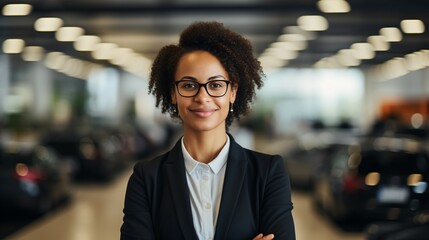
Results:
210 78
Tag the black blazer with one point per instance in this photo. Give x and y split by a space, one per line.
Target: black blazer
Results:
256 198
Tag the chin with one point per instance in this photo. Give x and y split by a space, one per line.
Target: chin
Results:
207 126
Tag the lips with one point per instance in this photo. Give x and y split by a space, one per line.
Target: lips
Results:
203 112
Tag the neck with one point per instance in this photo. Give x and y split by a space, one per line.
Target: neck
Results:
204 146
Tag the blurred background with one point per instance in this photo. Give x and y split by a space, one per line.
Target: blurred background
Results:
345 102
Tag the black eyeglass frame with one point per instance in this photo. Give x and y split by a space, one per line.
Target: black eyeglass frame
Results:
203 85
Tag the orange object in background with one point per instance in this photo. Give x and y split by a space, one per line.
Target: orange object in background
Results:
404 109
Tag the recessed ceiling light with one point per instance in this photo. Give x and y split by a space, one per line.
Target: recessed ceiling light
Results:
379 43
55 60
346 57
32 53
292 38
289 46
313 23
414 61
391 34
17 9
297 30
412 26
363 50
104 51
86 43
272 62
281 53
48 24
68 34
13 46
333 6
395 67
121 56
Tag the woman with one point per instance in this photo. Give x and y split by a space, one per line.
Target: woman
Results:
208 186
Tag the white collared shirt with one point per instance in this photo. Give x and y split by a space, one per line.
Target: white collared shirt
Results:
205 182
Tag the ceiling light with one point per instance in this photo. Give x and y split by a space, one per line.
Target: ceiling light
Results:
391 34
282 54
12 46
415 61
56 60
121 55
68 34
379 43
73 67
297 30
412 26
333 6
48 24
139 65
32 53
425 56
313 23
396 67
86 43
327 62
292 37
346 58
271 61
17 9
363 50
104 51
295 46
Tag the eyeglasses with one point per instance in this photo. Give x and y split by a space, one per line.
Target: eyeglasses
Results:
215 88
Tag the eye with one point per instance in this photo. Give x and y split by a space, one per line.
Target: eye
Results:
188 85
217 84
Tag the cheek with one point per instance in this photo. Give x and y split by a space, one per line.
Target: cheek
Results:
224 104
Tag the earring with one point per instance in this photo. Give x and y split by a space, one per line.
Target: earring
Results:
174 108
231 109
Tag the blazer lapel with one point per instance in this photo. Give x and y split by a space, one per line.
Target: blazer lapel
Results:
234 177
179 191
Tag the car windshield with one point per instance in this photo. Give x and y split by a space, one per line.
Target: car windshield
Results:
40 156
8 160
394 162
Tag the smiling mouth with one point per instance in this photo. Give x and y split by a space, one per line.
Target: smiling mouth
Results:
203 113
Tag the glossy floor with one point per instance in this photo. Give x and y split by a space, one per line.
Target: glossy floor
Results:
96 214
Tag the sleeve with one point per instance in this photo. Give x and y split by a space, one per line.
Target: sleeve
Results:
137 222
276 211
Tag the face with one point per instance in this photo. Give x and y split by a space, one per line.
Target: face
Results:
202 112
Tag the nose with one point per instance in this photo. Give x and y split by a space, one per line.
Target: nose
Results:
202 93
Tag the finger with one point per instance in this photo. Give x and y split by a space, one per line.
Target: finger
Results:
258 237
268 237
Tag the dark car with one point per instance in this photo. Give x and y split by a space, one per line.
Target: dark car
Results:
381 179
94 155
32 178
305 156
302 162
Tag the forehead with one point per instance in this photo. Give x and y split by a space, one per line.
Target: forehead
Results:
200 65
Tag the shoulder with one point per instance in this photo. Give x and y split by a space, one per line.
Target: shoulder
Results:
258 157
150 167
260 162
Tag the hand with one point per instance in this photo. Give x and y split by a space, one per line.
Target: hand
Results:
262 237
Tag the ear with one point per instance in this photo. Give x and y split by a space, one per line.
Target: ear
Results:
173 97
233 94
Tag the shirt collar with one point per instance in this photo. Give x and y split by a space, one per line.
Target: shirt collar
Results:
215 165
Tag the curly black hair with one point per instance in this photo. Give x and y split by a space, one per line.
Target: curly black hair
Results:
233 51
